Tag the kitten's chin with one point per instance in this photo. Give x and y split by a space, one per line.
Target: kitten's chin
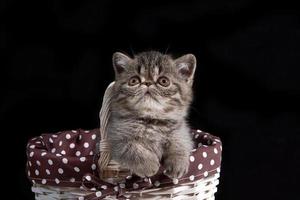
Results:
148 105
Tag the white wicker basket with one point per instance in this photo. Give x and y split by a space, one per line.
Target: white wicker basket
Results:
203 189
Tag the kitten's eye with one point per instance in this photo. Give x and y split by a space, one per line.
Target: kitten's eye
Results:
163 81
134 81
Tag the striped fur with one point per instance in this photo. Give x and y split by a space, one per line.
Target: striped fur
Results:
148 122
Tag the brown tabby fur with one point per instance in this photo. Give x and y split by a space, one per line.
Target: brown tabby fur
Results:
148 124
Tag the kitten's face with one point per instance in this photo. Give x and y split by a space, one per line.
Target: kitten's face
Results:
152 84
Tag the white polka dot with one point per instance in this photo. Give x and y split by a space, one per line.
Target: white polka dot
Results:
205 174
205 136
116 188
72 145
135 186
31 154
87 131
72 180
58 155
38 142
94 136
29 163
50 140
38 163
221 148
82 159
50 162
48 171
212 162
218 169
104 187
53 150
199 144
98 194
77 153
196 136
33 181
60 143
44 153
91 153
60 170
88 178
200 166
192 177
37 172
192 158
57 181
80 137
193 150
217 140
68 136
93 166
204 154
122 185
55 136
199 131
215 150
86 145
65 160
175 181
157 183
28 173
80 198
63 152
44 181
32 146
76 169
74 131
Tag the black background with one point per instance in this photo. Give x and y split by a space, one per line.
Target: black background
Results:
56 62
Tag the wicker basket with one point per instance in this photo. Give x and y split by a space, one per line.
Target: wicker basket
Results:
202 189
64 165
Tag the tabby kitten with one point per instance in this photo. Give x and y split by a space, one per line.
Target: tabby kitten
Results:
147 126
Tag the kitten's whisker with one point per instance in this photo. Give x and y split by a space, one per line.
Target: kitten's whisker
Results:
167 48
131 49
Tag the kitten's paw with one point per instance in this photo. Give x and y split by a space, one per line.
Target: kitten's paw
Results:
147 166
176 166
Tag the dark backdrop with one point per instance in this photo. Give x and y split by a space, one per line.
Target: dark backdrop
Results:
56 62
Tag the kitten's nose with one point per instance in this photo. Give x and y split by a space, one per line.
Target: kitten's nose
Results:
147 83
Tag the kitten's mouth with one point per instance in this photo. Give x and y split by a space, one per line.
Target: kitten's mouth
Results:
148 94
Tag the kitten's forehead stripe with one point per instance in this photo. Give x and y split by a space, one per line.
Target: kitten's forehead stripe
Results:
139 69
151 64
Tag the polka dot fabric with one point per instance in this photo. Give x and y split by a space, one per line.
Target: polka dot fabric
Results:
62 159
68 159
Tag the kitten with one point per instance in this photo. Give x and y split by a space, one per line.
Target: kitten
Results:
153 93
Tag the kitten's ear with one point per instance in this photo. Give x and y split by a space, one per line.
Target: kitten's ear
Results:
186 66
120 62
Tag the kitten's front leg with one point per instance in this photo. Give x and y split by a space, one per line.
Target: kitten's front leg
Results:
133 155
176 162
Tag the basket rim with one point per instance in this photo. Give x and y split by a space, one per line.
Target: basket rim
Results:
45 179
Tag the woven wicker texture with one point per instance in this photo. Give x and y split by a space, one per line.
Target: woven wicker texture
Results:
203 189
